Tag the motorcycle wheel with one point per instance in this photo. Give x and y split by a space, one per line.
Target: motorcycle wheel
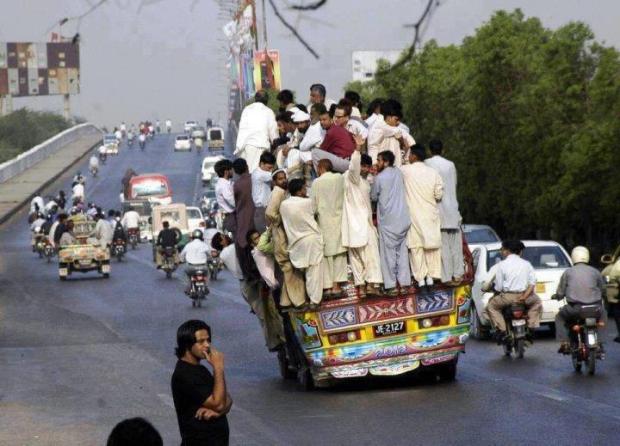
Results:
40 254
193 303
520 348
106 275
168 274
576 362
119 257
199 302
507 348
49 259
591 362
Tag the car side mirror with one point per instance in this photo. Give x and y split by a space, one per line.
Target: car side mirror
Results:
607 259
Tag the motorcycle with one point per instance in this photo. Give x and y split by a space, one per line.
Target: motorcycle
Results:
585 347
93 170
133 234
515 316
169 265
198 142
48 250
39 242
198 289
142 141
119 246
130 141
214 264
103 157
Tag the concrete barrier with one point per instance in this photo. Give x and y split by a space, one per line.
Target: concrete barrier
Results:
28 159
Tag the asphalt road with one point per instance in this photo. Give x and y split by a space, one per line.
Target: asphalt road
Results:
76 357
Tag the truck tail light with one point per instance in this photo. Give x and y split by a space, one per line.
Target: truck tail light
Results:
345 336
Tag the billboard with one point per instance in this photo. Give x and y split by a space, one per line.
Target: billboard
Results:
39 69
365 62
267 70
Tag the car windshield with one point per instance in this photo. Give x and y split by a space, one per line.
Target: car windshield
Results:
182 138
541 257
480 236
193 213
149 188
215 134
109 138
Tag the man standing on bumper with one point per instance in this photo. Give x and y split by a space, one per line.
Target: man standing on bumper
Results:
200 398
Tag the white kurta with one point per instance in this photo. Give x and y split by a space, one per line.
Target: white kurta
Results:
423 190
385 137
359 234
449 205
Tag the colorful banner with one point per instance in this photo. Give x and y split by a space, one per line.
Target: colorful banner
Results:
267 70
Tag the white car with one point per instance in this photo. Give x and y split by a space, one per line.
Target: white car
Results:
111 144
189 126
549 260
208 171
479 235
182 142
194 217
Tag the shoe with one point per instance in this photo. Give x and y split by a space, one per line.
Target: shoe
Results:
429 281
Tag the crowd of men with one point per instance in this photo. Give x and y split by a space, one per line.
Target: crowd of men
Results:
301 196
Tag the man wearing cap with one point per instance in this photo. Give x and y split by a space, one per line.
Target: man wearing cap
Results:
424 190
257 130
289 158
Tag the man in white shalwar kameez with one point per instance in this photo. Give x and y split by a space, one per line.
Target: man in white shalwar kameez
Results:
386 135
359 234
452 263
423 189
327 195
257 130
305 242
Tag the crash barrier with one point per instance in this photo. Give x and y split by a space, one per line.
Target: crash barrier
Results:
26 160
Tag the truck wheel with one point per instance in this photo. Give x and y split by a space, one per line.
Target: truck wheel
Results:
447 371
106 275
62 278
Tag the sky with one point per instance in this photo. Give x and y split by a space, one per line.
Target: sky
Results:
160 59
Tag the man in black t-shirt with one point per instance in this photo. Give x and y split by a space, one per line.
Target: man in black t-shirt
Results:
200 398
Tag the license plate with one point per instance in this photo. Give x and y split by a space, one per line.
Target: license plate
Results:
85 262
540 288
389 329
105 268
63 271
518 322
591 338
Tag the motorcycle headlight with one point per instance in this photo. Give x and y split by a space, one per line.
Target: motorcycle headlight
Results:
607 279
37 229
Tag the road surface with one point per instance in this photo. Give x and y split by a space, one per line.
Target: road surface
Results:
76 357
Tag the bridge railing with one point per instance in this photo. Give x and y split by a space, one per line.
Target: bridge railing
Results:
26 160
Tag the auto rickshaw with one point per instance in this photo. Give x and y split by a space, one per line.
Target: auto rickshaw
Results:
86 255
176 215
352 337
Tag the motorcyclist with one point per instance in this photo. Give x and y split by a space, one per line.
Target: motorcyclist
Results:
168 125
515 280
580 285
37 223
195 253
119 135
142 140
93 164
119 231
158 126
103 153
92 210
131 220
103 231
61 199
166 238
37 204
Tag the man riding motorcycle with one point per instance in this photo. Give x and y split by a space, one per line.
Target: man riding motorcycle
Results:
131 222
515 280
167 238
195 253
168 125
580 285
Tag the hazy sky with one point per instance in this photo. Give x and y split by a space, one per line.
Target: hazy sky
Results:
167 60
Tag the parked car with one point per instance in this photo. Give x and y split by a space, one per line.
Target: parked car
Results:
182 142
194 217
208 171
189 126
198 132
479 235
549 260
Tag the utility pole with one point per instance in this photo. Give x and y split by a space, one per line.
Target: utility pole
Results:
67 107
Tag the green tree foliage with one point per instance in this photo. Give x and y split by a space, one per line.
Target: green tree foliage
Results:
531 118
24 129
